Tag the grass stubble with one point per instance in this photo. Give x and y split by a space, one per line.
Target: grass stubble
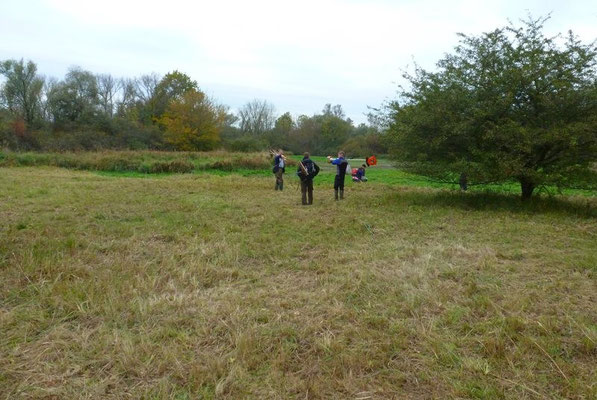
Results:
208 286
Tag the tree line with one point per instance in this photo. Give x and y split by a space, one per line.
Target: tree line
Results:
87 111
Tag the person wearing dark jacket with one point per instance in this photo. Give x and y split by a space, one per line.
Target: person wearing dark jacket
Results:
341 165
306 171
279 169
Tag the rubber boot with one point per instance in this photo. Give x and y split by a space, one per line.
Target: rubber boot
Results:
336 194
281 186
277 185
341 194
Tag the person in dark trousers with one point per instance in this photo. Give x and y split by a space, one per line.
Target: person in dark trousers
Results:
341 165
279 169
306 171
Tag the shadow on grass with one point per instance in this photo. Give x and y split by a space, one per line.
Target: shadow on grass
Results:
585 207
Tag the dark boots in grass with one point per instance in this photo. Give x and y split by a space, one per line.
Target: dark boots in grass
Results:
279 186
341 191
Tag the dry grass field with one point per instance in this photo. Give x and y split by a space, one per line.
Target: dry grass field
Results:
207 286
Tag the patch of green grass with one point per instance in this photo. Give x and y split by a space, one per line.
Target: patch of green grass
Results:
385 173
131 174
213 285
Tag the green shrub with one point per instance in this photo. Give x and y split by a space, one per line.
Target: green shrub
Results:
118 163
252 163
259 161
223 165
174 166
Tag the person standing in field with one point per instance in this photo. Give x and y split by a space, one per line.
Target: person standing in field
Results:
306 171
279 169
341 165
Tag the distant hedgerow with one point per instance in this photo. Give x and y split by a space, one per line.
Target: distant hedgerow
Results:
147 162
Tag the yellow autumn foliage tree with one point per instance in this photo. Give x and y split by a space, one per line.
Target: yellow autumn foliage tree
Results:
191 122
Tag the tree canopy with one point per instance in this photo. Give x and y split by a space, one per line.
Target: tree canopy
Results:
22 89
511 104
191 122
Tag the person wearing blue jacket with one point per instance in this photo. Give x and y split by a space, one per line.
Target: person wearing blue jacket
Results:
361 174
341 165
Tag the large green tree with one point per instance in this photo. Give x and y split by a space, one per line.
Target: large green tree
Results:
278 136
509 104
284 124
172 87
22 89
74 102
335 129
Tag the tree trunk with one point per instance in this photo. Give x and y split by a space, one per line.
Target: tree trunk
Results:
527 186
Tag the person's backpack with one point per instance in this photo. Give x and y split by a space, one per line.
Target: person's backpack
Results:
312 170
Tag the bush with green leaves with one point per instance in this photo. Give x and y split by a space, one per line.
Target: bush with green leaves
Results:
511 104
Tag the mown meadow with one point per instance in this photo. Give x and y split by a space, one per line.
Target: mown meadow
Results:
122 283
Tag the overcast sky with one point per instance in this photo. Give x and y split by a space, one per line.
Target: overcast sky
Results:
299 55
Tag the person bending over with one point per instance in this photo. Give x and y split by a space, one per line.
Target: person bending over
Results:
361 174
